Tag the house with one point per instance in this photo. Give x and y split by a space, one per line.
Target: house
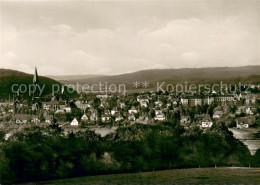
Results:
35 119
106 112
46 105
158 111
93 116
206 122
60 114
118 118
213 92
184 101
105 118
104 103
102 96
6 103
81 105
113 111
217 114
143 119
62 105
84 117
143 104
21 118
48 118
185 119
250 98
241 109
249 111
232 115
142 99
194 101
121 103
74 122
158 103
50 105
175 101
60 111
241 96
34 106
242 122
224 98
132 110
169 104
131 117
67 108
160 117
7 136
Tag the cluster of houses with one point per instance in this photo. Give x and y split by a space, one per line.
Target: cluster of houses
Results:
146 108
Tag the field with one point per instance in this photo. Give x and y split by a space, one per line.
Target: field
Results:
176 176
246 137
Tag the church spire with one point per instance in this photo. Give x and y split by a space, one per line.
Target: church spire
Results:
62 89
35 77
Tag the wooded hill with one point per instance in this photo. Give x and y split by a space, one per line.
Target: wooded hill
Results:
230 75
10 77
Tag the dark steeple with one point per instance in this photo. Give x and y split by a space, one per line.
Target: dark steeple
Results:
35 83
35 77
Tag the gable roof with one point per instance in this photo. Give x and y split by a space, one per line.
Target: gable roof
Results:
242 120
218 112
84 117
48 117
206 118
22 116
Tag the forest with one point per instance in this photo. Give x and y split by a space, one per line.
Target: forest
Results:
45 153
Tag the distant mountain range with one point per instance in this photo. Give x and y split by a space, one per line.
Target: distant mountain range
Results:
10 77
247 74
231 75
73 77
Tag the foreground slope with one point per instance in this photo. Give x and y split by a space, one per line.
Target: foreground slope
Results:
176 176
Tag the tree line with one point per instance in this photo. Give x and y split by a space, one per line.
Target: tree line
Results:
40 154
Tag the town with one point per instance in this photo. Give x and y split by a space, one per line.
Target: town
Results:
130 92
110 111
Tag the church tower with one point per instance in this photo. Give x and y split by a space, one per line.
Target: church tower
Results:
35 77
35 83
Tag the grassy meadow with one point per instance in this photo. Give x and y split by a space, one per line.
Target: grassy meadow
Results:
176 176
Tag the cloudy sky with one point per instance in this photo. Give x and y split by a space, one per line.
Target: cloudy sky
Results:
112 37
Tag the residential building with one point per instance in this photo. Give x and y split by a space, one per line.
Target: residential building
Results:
35 119
133 110
48 118
74 122
206 122
160 117
185 119
217 114
131 117
105 118
242 122
118 118
84 117
21 118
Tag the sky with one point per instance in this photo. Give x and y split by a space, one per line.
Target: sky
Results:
115 37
